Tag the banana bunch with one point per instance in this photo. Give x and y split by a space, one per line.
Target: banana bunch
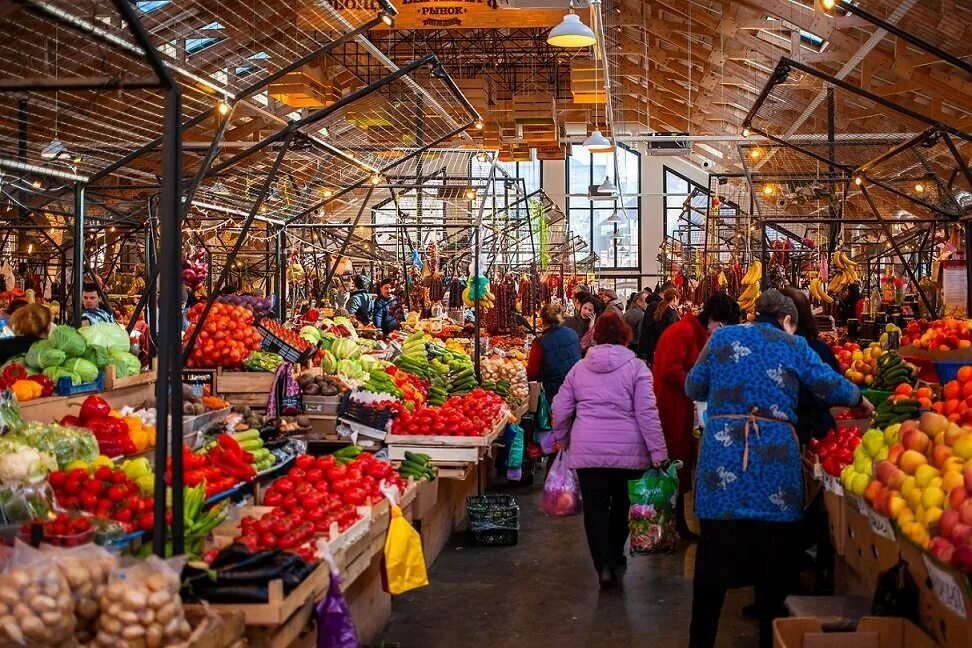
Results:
487 301
295 273
747 300
818 292
846 273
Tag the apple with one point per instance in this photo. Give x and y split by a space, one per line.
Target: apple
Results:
965 510
952 481
962 558
895 452
940 454
953 432
932 423
961 533
948 522
911 461
941 549
932 498
908 485
895 506
915 439
889 475
963 447
932 516
924 474
872 491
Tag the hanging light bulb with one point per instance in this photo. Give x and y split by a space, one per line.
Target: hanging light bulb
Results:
746 132
858 180
387 18
615 217
327 192
375 178
755 154
36 184
223 108
768 190
919 187
607 186
828 5
571 32
482 157
479 124
470 193
596 142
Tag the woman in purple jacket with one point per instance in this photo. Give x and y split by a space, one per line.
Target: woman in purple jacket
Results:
605 415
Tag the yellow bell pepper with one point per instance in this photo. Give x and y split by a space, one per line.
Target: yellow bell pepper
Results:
133 422
26 390
150 432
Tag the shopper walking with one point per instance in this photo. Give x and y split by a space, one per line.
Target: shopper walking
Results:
589 312
656 321
678 350
605 415
554 352
633 316
611 302
383 316
749 483
575 322
361 301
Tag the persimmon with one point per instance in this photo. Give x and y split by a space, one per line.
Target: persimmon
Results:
965 374
953 390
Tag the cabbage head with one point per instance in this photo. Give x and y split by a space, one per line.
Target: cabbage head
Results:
125 363
44 354
96 355
112 336
85 370
56 373
66 339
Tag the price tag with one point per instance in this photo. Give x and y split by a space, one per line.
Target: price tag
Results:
880 525
818 472
832 484
858 504
946 588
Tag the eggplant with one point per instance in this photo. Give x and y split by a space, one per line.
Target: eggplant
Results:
230 555
252 561
235 594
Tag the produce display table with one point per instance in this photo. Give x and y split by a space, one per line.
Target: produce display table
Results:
54 408
447 449
244 387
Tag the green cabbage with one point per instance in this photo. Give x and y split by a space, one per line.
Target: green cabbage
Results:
43 354
125 363
85 370
96 355
56 373
66 339
112 336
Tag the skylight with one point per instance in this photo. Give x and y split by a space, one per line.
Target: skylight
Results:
153 5
259 56
212 26
194 45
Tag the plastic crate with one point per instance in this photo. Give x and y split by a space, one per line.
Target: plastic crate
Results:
494 520
270 342
948 370
362 413
64 386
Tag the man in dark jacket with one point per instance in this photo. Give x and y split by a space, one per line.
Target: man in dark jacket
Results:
384 313
647 335
634 315
360 301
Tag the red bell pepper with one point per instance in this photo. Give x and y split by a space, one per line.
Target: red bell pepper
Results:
14 372
71 420
47 385
94 407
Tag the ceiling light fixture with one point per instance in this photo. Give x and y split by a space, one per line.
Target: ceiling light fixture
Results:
36 184
858 180
746 132
919 187
596 142
375 178
828 5
483 157
387 18
768 190
615 217
223 108
755 154
479 124
470 193
607 186
328 193
571 32
55 150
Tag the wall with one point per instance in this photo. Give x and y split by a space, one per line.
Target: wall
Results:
652 202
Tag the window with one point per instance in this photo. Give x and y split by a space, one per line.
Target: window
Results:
614 239
677 188
149 7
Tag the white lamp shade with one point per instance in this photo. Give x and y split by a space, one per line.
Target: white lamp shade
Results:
615 217
571 32
54 150
597 142
608 186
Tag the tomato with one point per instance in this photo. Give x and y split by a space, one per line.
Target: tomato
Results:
286 485
304 461
274 498
341 485
314 475
354 496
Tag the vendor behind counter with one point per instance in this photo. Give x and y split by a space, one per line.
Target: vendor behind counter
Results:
30 323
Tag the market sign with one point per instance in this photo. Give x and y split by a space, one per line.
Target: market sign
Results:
456 14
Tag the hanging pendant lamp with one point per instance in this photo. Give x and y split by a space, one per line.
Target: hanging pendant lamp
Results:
571 32
596 142
607 186
615 217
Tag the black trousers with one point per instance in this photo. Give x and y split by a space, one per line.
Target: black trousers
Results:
737 553
605 495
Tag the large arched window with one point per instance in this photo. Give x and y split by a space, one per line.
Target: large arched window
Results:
614 243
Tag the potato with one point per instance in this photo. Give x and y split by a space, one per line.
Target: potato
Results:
43 604
167 613
133 632
157 600
135 599
153 636
10 627
128 617
34 627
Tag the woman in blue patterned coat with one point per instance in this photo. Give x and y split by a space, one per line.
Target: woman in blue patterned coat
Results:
749 481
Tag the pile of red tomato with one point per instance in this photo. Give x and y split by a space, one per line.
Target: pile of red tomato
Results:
474 414
108 493
836 450
325 484
226 338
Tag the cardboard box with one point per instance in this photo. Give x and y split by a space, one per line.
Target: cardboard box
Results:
836 523
944 597
872 632
857 542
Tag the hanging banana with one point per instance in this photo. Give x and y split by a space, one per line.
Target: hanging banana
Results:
747 300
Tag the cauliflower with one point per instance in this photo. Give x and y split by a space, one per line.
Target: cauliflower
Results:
21 464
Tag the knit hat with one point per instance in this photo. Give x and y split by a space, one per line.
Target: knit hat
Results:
608 292
773 303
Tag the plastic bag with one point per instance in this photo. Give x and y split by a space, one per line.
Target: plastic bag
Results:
896 594
543 419
142 602
404 561
514 458
561 491
651 518
36 606
86 569
335 627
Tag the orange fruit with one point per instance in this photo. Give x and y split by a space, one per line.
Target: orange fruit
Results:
951 406
952 390
923 392
925 403
965 374
967 389
904 389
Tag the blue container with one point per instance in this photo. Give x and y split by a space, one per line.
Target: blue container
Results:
64 386
948 371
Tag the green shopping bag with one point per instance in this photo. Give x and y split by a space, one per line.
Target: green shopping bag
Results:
651 518
542 420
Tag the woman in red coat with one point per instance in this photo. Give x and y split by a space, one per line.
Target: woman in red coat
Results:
678 349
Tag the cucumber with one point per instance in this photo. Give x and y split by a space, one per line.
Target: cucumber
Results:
419 459
246 435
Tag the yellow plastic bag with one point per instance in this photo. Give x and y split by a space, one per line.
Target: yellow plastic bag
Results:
404 560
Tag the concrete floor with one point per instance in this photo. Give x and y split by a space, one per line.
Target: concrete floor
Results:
543 592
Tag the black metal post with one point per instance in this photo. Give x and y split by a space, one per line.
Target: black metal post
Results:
78 247
477 310
281 282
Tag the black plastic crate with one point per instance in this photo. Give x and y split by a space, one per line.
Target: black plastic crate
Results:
494 520
270 342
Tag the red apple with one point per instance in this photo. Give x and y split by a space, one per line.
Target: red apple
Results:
941 549
894 453
962 558
948 522
957 497
961 533
889 475
915 439
965 511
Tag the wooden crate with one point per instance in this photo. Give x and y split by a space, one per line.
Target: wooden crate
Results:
431 440
295 632
427 494
279 608
143 378
327 405
215 629
53 408
244 382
